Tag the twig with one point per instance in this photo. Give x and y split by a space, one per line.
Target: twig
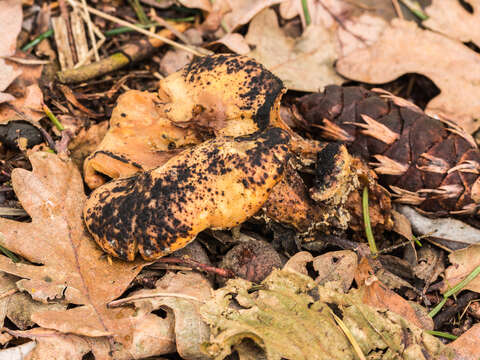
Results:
168 26
398 10
196 265
130 53
120 302
88 20
66 17
196 51
368 225
8 293
462 302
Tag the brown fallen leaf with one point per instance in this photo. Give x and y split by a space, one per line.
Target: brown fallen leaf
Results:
305 63
375 294
234 42
336 269
467 345
463 262
242 11
11 20
27 98
181 295
450 18
405 48
53 196
321 13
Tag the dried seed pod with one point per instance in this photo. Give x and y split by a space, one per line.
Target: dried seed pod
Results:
217 184
426 162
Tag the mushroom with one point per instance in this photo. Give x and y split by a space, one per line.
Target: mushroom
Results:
140 137
215 95
217 184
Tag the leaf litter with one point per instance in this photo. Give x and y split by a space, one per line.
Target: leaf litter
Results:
109 318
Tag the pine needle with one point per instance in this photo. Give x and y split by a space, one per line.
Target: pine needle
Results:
368 225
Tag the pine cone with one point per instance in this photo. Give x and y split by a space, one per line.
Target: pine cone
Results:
432 164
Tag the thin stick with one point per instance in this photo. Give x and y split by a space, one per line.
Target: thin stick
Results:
196 265
120 302
398 10
88 20
143 31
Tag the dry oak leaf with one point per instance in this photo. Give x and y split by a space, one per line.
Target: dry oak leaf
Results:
467 345
242 11
304 63
463 262
405 48
11 20
449 17
52 194
375 294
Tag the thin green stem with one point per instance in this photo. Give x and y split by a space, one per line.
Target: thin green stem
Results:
53 118
9 254
417 241
137 7
455 290
368 225
415 9
38 39
442 334
306 13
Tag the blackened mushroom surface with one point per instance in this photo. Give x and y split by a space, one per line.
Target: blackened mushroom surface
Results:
217 184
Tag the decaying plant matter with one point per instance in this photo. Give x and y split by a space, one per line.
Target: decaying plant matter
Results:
429 163
217 184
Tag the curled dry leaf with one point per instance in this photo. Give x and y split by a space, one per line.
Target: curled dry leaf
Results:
373 293
28 98
463 262
451 18
53 196
336 269
182 294
448 63
305 63
234 42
